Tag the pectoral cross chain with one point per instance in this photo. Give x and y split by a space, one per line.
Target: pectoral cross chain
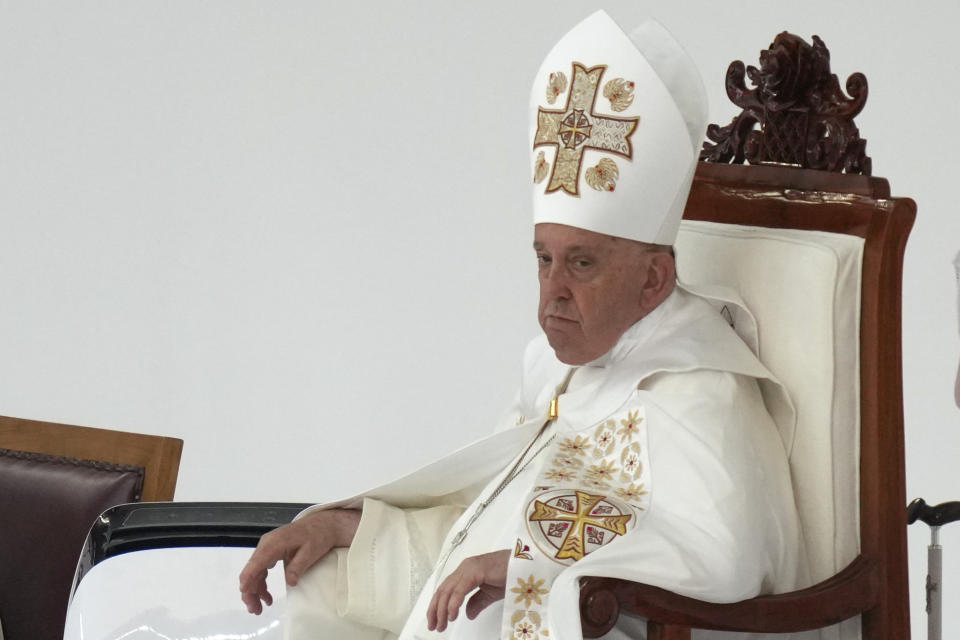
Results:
522 463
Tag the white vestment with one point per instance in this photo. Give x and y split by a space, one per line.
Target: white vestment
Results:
667 438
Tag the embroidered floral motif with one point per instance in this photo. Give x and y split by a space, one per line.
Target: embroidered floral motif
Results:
630 426
603 177
631 463
524 630
540 168
525 624
562 476
632 494
567 461
603 438
556 84
600 475
522 550
619 92
591 492
577 445
529 590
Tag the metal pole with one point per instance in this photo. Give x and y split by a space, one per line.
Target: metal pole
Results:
935 517
934 585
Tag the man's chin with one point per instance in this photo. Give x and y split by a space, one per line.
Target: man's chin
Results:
573 361
566 352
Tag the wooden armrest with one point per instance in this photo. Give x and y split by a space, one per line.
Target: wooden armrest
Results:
850 592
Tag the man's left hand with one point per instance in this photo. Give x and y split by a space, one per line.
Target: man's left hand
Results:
486 572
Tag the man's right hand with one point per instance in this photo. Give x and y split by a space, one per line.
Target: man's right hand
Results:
300 545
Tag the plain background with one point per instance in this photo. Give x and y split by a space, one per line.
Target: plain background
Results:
296 234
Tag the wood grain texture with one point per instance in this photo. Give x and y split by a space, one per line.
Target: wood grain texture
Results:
158 455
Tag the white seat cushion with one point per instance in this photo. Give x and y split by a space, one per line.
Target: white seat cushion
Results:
803 287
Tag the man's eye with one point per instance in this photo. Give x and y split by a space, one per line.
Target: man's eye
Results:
582 264
542 259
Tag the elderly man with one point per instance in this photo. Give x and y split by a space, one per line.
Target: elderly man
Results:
640 444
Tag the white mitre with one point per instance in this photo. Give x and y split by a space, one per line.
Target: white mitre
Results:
615 131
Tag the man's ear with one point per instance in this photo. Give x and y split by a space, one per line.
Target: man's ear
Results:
661 273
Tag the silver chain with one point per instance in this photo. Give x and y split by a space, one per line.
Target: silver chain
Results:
515 471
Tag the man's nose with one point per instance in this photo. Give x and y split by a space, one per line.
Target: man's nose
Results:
554 282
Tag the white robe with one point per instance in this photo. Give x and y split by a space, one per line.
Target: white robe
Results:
715 519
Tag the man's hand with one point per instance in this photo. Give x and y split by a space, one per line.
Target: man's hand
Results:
300 545
488 572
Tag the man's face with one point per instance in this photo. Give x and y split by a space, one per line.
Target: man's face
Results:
591 289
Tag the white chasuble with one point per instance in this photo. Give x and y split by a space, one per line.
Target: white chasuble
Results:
590 492
663 467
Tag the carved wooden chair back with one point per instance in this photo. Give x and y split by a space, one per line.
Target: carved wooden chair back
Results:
817 257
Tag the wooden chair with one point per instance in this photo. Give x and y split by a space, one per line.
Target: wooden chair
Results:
847 456
56 480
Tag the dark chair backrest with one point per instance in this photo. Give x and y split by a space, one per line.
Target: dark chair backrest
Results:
55 480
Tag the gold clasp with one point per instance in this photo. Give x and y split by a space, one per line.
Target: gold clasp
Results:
554 408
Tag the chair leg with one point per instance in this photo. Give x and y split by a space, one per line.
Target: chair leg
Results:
657 631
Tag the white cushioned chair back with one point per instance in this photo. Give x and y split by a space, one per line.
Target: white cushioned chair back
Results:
803 288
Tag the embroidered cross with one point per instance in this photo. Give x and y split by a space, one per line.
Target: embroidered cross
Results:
577 128
580 518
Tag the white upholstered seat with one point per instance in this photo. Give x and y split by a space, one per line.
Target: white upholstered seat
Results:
803 289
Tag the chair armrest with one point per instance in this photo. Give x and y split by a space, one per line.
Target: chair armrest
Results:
849 593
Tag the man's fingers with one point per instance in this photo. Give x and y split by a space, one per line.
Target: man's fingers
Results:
299 544
437 611
432 613
445 606
304 558
263 558
488 572
457 594
478 602
252 600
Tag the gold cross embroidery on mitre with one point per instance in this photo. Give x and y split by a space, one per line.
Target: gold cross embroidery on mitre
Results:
573 544
577 128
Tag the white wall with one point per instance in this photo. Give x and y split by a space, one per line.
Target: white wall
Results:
296 234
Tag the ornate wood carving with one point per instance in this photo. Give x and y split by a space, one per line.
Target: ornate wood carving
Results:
804 118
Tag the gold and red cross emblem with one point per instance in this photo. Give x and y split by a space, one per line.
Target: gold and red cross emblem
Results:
577 128
574 524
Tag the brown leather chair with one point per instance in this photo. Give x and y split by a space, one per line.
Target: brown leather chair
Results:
851 494
55 480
